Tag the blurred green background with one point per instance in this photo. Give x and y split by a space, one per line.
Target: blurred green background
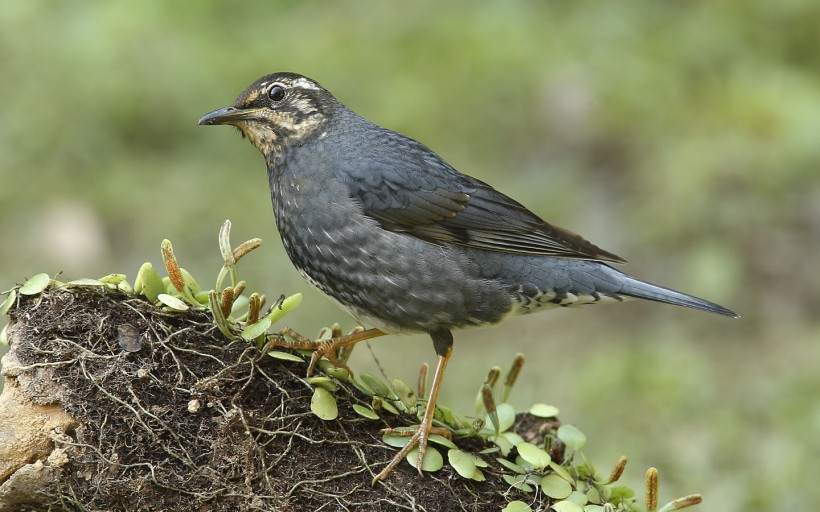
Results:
684 136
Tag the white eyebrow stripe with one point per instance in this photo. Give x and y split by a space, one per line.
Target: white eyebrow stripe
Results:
304 83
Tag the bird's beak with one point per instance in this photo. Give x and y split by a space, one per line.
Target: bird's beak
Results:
228 115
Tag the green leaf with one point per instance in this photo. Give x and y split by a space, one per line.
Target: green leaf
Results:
148 282
462 462
379 388
533 455
512 466
405 394
9 302
287 305
567 506
286 356
4 337
513 438
395 440
387 406
516 506
367 412
433 460
113 279
322 382
35 284
572 437
560 471
190 281
544 411
441 440
506 417
323 404
503 444
555 487
172 302
240 302
84 282
578 497
518 481
253 331
620 492
593 495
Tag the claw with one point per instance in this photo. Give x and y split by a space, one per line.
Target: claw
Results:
420 436
331 349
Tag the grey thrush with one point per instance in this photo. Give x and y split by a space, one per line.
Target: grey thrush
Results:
404 242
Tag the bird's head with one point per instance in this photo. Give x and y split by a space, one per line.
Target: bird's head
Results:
276 111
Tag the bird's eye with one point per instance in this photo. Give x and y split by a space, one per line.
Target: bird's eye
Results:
276 93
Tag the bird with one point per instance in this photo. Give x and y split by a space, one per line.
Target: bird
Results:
403 241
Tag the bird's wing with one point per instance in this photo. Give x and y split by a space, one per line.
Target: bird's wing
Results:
409 189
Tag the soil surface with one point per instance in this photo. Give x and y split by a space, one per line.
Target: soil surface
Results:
173 416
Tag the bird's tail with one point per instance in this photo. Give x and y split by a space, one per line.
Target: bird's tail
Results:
643 290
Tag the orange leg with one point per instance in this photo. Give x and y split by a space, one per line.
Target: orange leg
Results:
422 433
327 348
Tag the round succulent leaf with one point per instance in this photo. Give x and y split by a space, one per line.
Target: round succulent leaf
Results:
76 283
113 279
479 462
555 487
395 440
561 471
172 302
374 383
572 437
578 497
9 302
125 287
323 404
190 281
517 506
358 384
512 466
322 382
403 391
594 508
518 481
253 331
478 476
148 282
506 416
620 492
4 337
240 303
285 356
593 496
503 444
462 462
433 461
567 506
367 412
387 406
339 373
441 440
513 438
35 284
544 411
287 305
533 455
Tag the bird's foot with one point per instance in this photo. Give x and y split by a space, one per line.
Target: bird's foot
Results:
418 437
335 349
